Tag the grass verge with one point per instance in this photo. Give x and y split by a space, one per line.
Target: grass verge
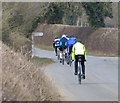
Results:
43 61
44 47
49 48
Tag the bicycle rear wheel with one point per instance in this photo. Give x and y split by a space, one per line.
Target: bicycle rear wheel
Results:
79 73
70 60
58 57
63 58
63 61
70 63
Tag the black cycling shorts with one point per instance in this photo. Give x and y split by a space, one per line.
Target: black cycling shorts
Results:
62 48
82 57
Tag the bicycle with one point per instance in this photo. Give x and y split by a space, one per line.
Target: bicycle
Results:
69 60
64 52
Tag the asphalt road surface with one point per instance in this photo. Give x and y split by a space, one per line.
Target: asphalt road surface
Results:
101 83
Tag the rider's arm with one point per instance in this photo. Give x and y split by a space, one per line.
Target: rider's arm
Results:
85 52
73 52
54 43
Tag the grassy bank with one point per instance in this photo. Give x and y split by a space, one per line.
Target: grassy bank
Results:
24 80
44 47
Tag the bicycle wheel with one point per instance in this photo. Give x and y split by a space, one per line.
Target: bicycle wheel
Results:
63 61
79 73
58 56
63 58
70 63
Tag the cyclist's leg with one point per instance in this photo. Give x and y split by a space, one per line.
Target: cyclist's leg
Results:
83 68
65 51
70 49
56 50
67 55
54 47
61 52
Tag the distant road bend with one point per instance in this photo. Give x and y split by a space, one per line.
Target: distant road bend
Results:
101 83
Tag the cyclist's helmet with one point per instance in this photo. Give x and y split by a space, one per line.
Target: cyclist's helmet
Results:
63 35
56 37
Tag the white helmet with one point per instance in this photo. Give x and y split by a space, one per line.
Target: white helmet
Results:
63 35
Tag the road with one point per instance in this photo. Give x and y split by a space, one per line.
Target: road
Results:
101 83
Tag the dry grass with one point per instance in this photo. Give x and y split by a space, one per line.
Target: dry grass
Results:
104 41
23 80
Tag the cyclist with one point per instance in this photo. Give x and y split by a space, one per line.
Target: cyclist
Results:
78 49
63 46
70 43
56 42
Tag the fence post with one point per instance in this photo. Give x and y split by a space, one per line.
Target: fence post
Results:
32 46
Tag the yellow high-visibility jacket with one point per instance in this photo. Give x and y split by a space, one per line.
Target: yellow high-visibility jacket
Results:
78 49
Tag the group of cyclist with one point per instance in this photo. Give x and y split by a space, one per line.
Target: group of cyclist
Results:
73 48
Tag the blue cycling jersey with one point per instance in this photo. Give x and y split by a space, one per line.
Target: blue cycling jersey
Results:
71 41
63 41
